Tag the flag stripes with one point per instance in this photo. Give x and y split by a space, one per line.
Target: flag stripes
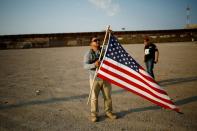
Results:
134 79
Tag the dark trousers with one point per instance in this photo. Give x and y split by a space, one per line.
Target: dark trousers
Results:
150 66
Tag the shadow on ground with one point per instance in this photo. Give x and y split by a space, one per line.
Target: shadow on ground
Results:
178 103
122 113
177 81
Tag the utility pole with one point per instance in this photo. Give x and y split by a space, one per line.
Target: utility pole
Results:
188 16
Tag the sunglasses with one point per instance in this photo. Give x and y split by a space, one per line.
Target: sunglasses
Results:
96 40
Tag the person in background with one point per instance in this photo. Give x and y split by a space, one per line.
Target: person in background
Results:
151 55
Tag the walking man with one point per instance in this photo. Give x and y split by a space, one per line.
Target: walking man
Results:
151 55
91 62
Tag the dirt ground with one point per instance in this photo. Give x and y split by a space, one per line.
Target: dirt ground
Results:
47 89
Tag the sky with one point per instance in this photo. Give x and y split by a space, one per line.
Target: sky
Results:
61 16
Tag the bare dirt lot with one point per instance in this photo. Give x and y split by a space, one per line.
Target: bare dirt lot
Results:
62 87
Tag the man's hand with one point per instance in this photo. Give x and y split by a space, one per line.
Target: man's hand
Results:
97 63
109 30
156 61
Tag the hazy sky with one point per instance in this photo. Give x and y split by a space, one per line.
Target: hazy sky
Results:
57 16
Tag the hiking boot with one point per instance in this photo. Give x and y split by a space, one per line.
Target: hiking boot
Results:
93 118
111 115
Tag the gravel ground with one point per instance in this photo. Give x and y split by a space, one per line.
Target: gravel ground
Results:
47 89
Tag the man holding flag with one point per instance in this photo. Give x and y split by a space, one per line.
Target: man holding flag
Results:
119 68
91 63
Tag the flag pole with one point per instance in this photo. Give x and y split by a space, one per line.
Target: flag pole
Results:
95 74
105 49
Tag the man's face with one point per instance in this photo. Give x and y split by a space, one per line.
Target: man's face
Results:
145 42
95 45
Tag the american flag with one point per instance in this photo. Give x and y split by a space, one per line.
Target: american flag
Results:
119 68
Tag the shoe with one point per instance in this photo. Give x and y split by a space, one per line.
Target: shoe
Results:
94 118
111 115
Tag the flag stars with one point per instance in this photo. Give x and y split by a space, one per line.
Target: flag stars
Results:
116 52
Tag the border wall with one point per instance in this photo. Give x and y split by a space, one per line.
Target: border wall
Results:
83 38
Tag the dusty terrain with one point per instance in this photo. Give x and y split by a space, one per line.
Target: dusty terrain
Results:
62 87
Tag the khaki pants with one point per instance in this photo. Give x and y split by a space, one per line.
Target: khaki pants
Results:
105 87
